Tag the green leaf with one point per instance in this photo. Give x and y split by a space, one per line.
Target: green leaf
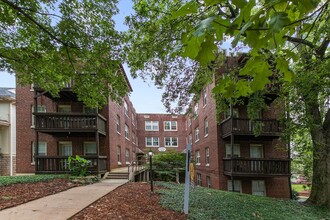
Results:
213 2
204 26
193 46
189 8
243 88
260 79
278 21
283 66
207 52
239 3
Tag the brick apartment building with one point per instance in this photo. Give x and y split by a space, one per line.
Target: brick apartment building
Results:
54 128
227 155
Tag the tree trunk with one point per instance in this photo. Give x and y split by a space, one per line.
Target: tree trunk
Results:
320 193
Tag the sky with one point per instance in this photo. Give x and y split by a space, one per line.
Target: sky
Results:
146 98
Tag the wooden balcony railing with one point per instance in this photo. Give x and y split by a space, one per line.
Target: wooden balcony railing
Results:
241 126
60 164
256 167
79 122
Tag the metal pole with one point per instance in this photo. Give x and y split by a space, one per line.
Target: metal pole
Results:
151 177
187 181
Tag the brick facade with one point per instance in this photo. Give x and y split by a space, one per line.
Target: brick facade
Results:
5 165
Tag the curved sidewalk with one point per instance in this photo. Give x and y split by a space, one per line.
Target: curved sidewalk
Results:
62 205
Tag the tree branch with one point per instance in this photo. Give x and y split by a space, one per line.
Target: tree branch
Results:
323 47
300 41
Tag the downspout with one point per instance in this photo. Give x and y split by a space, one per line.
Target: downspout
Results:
232 148
289 154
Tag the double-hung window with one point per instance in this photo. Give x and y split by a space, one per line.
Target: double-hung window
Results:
170 126
196 134
118 124
151 125
198 157
152 141
42 150
207 156
126 131
206 127
171 141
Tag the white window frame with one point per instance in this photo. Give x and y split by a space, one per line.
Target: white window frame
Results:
67 108
235 113
196 134
255 184
206 127
85 147
237 150
126 108
153 140
259 146
171 125
119 154
204 93
118 126
42 144
208 181
190 140
199 179
171 141
133 137
207 156
196 111
189 121
127 152
133 119
237 186
40 108
63 143
154 125
198 157
126 132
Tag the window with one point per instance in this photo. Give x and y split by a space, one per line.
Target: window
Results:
208 182
198 158
40 108
133 119
152 141
151 126
90 148
42 149
207 156
237 152
126 108
196 111
206 127
196 134
235 113
89 110
65 148
133 137
204 97
237 186
170 125
199 179
119 154
118 124
258 187
64 108
256 151
126 132
127 156
189 121
190 138
171 141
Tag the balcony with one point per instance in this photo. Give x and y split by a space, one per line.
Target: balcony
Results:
255 167
70 122
60 164
241 126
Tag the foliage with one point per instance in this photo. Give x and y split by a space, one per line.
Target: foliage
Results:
207 203
9 180
78 166
167 164
48 43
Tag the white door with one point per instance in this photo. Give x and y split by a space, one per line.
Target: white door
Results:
256 151
65 149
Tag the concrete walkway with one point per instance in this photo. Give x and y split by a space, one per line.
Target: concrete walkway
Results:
62 205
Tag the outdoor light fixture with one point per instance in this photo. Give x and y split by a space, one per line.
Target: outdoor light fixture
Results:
151 177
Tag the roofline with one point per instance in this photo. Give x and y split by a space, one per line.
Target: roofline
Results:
126 78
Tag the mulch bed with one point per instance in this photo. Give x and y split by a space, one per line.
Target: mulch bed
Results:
130 201
17 194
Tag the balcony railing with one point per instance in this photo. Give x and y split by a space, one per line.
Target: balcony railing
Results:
264 127
80 122
256 167
60 164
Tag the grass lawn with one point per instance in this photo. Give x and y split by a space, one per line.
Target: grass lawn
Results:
215 204
8 180
299 187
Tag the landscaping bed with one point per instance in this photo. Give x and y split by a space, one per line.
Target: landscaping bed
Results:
130 201
21 189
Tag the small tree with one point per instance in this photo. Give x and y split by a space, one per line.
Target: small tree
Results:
168 165
78 166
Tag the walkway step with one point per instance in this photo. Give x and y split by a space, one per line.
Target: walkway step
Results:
117 175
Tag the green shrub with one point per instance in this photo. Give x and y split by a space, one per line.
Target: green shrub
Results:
78 166
9 180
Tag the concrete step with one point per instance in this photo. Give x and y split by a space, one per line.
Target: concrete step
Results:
117 175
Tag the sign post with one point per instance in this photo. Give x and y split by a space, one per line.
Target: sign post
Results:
187 180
